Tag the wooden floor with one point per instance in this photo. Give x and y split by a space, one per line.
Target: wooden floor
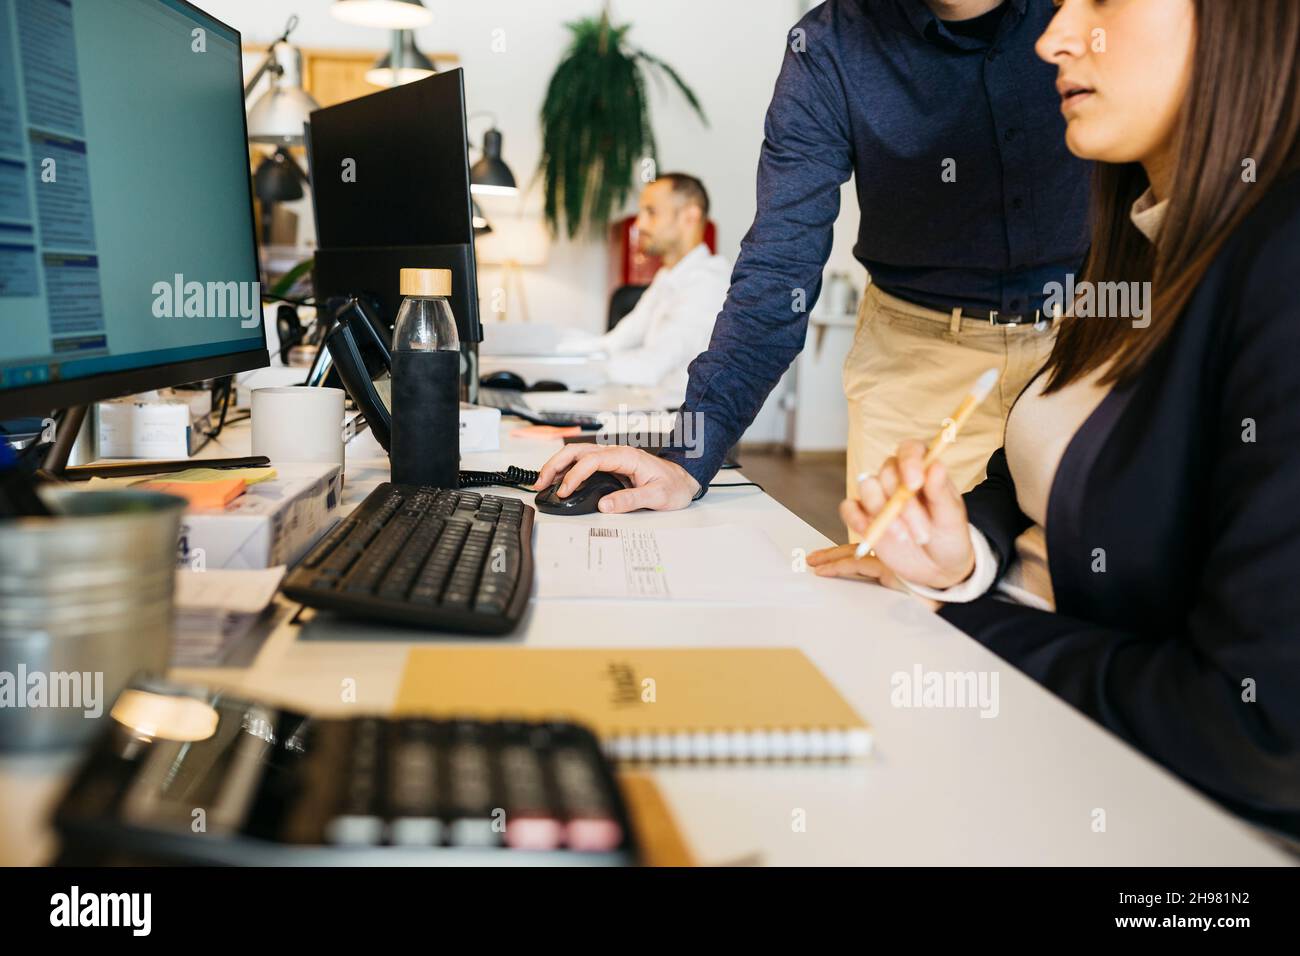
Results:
812 488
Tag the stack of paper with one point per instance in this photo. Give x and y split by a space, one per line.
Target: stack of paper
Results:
216 609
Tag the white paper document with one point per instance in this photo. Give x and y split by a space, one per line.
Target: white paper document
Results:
215 609
238 592
721 564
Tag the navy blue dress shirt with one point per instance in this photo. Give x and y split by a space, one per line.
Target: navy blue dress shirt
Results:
968 195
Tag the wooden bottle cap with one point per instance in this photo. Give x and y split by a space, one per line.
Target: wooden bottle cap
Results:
426 281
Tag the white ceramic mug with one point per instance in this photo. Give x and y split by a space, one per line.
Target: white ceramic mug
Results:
298 423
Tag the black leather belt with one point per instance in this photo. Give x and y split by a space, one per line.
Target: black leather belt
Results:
991 316
994 317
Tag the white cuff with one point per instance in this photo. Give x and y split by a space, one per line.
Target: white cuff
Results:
977 585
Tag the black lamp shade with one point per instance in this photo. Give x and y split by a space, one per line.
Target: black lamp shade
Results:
490 174
278 178
415 65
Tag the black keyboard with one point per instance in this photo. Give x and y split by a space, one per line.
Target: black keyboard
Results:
453 560
511 403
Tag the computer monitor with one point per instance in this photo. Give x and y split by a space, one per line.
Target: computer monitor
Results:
390 184
128 257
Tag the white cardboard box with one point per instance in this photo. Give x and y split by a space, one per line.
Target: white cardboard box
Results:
273 522
153 426
480 428
480 425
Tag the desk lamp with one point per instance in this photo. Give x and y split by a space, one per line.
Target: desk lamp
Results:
385 14
490 176
412 64
403 63
277 118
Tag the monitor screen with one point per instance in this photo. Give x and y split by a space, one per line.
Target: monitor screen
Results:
127 250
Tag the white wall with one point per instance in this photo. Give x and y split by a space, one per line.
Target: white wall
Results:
728 51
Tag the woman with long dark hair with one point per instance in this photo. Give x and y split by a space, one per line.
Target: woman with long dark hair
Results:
1136 544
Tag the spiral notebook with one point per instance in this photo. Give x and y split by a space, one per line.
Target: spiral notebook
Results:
673 704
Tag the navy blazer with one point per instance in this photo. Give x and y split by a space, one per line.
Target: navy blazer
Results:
1173 539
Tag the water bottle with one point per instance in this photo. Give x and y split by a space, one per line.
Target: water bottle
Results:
426 383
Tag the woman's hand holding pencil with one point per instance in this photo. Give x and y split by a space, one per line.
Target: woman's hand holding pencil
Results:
928 544
911 518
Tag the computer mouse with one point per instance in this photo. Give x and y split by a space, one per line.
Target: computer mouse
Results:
546 385
585 497
503 379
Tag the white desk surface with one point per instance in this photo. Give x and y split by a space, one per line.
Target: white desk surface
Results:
943 786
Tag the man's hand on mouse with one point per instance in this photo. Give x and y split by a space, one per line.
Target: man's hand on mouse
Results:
656 484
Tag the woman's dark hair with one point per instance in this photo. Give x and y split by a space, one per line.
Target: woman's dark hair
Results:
1241 112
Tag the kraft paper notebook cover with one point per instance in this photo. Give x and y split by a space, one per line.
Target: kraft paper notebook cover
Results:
649 704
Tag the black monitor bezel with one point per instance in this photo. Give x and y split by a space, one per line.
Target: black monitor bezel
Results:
42 398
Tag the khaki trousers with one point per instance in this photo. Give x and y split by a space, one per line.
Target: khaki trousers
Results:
909 369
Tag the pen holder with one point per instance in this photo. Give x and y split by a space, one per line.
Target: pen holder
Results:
85 603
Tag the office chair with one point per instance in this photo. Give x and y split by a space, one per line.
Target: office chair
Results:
622 301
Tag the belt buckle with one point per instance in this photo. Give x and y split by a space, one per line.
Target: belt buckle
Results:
1014 321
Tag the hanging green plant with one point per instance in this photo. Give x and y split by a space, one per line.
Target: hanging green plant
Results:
596 124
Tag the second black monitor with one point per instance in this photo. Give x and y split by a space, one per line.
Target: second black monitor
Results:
390 183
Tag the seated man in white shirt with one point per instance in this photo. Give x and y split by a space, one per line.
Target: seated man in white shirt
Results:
673 320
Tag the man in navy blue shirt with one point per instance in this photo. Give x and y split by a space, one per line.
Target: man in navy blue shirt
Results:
971 206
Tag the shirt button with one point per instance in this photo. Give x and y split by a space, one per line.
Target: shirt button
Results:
993 54
1017 204
1010 134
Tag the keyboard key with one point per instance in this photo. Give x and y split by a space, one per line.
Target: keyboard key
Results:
404 570
328 544
365 576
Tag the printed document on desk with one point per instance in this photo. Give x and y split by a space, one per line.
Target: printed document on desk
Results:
721 564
